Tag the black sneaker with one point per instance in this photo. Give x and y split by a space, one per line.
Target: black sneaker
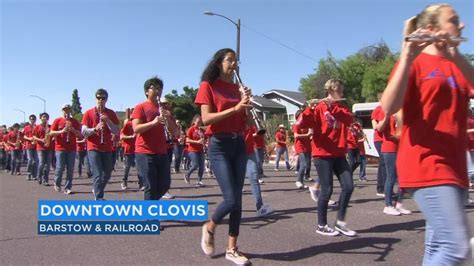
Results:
326 231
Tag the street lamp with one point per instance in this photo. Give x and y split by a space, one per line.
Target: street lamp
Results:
237 24
21 111
44 102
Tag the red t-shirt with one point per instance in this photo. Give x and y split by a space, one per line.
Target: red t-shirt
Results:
352 138
470 125
259 140
28 132
249 142
390 141
280 136
1 140
302 145
39 132
221 96
12 138
90 120
128 144
65 141
377 115
153 140
195 133
432 148
329 129
5 142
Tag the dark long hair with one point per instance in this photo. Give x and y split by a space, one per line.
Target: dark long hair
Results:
211 72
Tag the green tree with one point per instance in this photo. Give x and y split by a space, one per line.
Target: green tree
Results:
76 105
376 77
183 105
313 85
351 71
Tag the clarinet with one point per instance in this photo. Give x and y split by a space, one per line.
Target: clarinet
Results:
168 137
68 118
99 113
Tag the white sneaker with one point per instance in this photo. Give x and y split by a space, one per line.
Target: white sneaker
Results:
314 193
199 184
264 211
124 185
390 210
68 191
57 188
142 188
276 169
400 209
380 194
332 203
299 185
207 241
342 227
167 195
260 181
236 257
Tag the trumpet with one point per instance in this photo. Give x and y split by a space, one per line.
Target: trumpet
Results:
423 37
256 120
168 137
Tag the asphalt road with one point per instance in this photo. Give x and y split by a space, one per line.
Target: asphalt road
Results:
286 237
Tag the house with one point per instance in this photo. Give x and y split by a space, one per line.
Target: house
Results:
279 102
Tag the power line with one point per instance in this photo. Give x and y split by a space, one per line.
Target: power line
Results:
282 44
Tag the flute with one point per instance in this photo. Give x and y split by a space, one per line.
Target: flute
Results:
313 101
420 37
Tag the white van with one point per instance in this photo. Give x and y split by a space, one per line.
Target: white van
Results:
363 112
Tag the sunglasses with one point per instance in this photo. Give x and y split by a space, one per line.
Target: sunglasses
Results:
101 97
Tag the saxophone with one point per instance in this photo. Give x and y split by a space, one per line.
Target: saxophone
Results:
47 137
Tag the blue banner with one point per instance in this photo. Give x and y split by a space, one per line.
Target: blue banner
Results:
99 228
122 210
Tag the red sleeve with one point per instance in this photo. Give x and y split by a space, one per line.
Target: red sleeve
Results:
204 94
112 116
138 113
86 119
55 125
342 114
76 124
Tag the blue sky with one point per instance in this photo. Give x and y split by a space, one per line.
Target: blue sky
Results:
49 48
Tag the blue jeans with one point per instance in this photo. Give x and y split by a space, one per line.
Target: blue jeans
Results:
64 159
363 165
129 161
381 171
32 165
197 162
16 160
260 153
155 172
470 165
101 166
83 160
45 158
447 231
390 159
326 167
228 162
178 156
252 174
304 160
280 152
